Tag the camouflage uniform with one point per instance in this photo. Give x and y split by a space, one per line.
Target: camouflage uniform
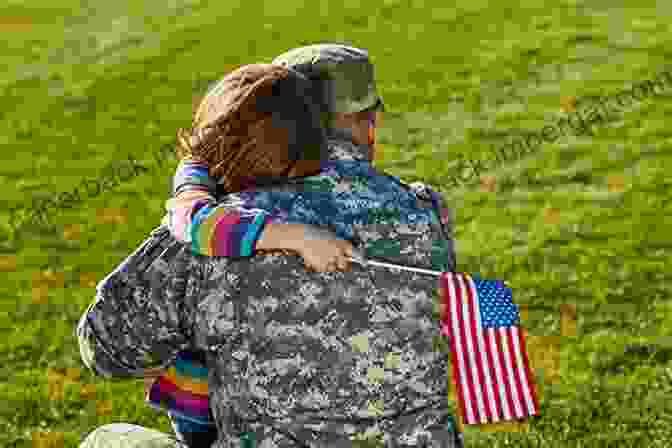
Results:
298 358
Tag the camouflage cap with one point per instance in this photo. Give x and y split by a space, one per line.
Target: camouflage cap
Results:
347 78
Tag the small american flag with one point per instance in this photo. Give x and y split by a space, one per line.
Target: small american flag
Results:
490 365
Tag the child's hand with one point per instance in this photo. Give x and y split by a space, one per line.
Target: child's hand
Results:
150 376
149 381
323 251
320 248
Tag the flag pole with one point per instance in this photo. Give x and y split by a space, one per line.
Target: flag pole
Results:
366 262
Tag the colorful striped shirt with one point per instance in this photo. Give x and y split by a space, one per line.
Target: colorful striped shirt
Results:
183 389
212 229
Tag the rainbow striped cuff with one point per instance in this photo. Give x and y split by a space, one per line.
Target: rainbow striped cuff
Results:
183 390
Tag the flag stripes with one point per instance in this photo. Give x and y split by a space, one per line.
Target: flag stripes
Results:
490 365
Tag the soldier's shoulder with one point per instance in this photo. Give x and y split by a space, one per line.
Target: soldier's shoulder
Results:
420 189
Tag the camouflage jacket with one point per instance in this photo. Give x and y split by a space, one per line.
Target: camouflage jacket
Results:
307 354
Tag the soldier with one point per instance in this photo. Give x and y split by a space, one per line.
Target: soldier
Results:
346 90
390 328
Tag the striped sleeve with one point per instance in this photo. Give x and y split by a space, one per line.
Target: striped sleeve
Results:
192 175
212 228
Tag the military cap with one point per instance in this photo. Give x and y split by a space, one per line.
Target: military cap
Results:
345 74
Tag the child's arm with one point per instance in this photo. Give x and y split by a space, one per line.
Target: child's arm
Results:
231 229
195 218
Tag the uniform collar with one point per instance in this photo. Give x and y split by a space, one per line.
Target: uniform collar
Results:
342 146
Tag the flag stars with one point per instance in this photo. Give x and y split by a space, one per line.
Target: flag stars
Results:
497 307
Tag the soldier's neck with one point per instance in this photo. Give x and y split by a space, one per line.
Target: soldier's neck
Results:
350 150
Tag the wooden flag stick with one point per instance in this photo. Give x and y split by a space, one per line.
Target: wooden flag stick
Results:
366 262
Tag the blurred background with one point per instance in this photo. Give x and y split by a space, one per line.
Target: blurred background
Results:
93 91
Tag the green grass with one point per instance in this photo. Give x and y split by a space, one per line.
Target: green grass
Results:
83 84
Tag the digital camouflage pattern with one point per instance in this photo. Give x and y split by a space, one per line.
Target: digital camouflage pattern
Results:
297 358
346 73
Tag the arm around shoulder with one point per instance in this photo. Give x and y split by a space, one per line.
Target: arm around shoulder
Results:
210 227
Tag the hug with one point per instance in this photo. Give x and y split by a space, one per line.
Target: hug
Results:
242 306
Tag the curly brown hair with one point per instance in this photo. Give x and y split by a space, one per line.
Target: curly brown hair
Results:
255 125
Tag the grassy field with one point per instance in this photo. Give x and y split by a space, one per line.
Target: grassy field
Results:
578 225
